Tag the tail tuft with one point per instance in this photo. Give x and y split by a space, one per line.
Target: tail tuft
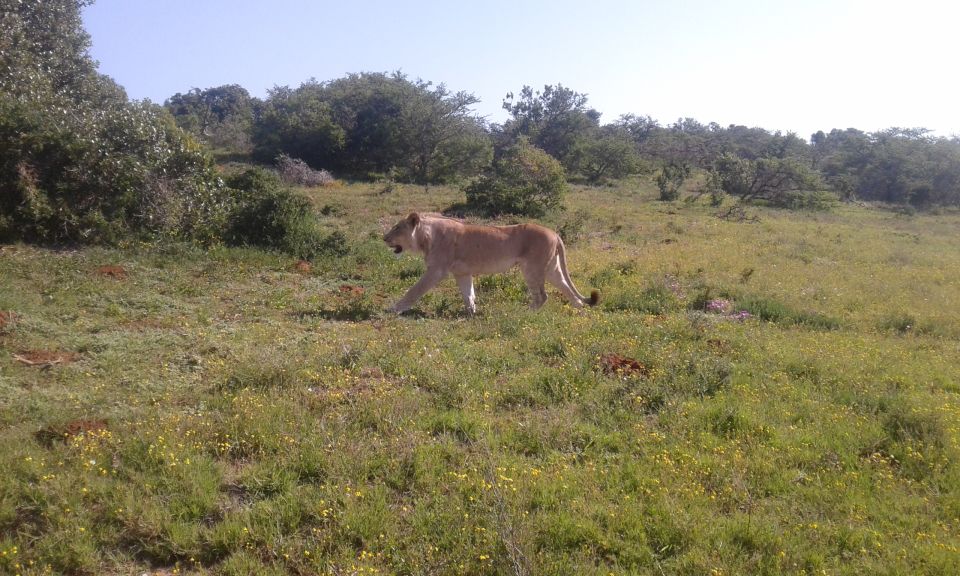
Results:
594 297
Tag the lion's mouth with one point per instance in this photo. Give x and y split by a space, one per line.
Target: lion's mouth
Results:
397 249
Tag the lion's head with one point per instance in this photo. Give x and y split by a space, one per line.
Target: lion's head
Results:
403 235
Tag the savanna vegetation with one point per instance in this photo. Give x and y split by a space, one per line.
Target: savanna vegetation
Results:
750 397
197 375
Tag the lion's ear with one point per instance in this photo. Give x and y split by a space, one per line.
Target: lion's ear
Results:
413 218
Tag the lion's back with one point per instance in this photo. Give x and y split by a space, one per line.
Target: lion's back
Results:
476 249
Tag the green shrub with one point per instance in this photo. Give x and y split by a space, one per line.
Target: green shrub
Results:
270 216
524 180
70 173
671 178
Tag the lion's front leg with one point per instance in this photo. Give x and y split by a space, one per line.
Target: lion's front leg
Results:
430 278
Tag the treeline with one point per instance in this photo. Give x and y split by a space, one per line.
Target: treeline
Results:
374 125
81 162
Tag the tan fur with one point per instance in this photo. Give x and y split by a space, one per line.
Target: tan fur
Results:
451 247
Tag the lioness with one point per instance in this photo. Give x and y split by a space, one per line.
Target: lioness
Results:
465 250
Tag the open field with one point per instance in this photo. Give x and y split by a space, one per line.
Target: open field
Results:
173 410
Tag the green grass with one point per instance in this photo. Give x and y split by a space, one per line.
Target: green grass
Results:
241 417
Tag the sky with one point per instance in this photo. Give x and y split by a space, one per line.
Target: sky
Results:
794 66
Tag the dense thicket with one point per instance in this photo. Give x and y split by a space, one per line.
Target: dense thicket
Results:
78 160
895 165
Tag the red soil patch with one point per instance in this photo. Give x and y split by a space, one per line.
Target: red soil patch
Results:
116 272
61 432
616 365
6 319
303 267
352 290
45 357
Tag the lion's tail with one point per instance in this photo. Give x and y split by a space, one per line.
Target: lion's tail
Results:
594 298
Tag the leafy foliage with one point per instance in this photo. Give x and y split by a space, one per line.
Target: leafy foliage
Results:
364 125
523 180
775 180
670 179
78 161
606 154
270 216
554 120
903 166
221 116
300 124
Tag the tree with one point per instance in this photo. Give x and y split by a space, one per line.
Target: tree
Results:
299 123
607 153
444 139
639 128
775 180
221 116
686 141
44 49
896 165
554 120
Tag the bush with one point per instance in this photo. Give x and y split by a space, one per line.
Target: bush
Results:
524 180
70 173
297 173
671 178
79 162
270 216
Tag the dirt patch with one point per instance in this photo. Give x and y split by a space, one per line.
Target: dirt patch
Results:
110 271
351 290
45 358
234 498
303 267
616 365
62 432
7 319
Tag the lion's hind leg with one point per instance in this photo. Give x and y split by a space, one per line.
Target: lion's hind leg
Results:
555 276
465 283
534 279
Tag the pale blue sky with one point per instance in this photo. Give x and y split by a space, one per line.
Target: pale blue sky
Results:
793 66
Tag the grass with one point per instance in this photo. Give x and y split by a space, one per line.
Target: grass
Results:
224 412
